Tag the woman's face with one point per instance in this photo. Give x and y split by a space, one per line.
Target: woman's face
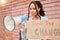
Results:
32 10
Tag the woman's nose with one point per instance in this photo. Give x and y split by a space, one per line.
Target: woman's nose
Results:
32 11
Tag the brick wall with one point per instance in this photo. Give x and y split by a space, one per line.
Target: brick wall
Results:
19 7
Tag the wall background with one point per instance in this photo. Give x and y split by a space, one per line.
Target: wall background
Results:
19 7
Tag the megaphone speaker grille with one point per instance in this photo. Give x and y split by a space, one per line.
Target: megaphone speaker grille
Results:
9 23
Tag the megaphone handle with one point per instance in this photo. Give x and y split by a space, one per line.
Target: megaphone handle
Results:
20 35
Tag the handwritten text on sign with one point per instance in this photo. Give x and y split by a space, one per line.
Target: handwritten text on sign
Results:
41 29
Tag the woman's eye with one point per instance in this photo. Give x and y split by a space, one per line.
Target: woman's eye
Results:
34 8
30 8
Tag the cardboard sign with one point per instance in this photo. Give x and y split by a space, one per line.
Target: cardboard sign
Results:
43 29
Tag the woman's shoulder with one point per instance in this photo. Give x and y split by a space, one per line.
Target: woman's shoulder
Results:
44 18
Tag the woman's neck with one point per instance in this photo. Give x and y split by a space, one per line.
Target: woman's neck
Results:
36 17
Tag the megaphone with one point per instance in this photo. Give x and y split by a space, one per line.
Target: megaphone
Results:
10 22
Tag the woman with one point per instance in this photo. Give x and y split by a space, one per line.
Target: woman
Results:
35 12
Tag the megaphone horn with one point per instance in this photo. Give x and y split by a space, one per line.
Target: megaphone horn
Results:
10 22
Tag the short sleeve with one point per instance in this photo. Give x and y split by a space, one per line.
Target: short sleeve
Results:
24 18
44 18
